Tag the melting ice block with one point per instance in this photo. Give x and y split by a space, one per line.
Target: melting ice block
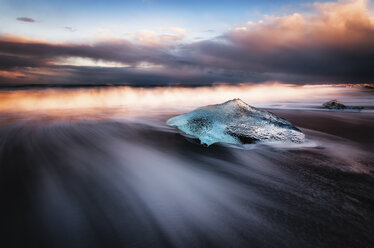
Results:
235 122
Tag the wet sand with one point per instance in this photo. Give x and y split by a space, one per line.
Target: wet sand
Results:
354 126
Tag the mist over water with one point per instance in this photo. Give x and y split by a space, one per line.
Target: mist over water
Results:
131 101
100 168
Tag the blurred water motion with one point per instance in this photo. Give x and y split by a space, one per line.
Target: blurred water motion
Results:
99 168
146 101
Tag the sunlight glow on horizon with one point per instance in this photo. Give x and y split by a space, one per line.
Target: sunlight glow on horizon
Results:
140 101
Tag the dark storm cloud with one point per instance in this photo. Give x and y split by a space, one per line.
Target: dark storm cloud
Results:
25 19
10 62
118 50
332 45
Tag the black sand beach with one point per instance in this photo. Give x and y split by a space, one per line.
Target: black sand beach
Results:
95 183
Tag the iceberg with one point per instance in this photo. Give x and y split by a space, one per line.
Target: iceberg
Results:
335 104
235 122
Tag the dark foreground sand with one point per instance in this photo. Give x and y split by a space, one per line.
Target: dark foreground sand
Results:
97 183
354 126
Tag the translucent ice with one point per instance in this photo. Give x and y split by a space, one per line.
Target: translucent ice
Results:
235 122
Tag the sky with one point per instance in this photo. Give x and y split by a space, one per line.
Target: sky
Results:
143 42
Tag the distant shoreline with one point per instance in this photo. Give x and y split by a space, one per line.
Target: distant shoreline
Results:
103 85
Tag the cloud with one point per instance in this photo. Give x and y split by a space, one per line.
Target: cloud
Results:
330 43
153 38
333 42
71 29
25 19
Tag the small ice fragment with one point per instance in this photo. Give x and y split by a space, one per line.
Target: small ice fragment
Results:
335 104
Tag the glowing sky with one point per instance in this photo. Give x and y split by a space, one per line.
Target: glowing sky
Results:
186 42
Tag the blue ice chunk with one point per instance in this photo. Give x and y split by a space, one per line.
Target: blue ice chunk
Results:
235 122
